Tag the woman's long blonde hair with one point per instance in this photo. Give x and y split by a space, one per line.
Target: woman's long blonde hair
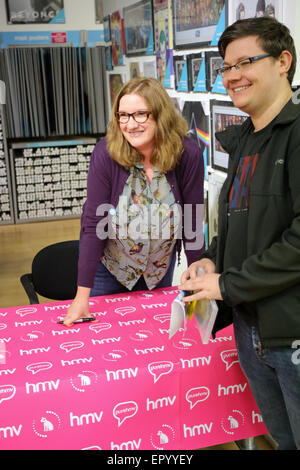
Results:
171 127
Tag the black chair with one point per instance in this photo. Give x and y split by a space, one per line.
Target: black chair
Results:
53 272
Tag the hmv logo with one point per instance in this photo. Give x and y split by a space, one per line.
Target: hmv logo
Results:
85 419
231 389
160 403
10 431
117 299
42 386
154 306
121 374
28 352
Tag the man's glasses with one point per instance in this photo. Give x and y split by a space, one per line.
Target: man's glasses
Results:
138 116
242 64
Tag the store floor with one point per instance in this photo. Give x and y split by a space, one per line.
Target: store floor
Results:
18 245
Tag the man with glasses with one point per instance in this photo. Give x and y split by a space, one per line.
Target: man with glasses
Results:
252 267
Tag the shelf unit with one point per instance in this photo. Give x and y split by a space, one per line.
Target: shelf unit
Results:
6 204
49 178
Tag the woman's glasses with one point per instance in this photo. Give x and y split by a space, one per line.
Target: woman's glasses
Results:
138 116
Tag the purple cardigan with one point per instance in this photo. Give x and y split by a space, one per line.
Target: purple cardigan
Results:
106 180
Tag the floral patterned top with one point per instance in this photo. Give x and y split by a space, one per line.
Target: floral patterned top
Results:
144 228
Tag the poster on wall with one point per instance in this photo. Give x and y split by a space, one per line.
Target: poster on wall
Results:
98 11
149 69
117 38
194 63
108 58
214 82
35 11
195 23
196 114
223 114
181 73
116 81
215 183
138 28
164 41
134 70
106 28
241 9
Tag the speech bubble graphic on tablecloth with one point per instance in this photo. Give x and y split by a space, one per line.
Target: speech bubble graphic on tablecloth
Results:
123 411
100 327
229 357
125 310
157 369
38 367
162 317
69 346
25 311
196 395
3 326
7 392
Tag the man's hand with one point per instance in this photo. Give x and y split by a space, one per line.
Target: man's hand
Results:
205 285
206 264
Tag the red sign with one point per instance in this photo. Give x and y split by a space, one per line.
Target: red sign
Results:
59 37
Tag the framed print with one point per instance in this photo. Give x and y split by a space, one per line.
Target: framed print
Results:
134 70
215 183
116 81
108 58
214 82
117 38
106 28
223 114
241 9
35 11
138 28
194 62
179 63
98 11
163 33
196 113
177 103
195 22
149 69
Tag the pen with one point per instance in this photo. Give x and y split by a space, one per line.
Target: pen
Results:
81 320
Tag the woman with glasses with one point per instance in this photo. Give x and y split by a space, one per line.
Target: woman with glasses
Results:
144 197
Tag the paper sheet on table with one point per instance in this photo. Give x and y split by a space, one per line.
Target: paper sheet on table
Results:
205 312
178 315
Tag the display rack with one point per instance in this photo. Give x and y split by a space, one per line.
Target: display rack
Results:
6 206
49 178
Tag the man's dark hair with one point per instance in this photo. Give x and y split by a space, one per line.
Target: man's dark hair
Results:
273 36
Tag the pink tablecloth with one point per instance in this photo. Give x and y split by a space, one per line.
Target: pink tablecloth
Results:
119 383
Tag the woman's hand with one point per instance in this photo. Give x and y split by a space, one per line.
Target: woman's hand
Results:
79 307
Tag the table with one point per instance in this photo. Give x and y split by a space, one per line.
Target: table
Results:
119 383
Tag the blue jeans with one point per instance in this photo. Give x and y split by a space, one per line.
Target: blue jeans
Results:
105 283
274 379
